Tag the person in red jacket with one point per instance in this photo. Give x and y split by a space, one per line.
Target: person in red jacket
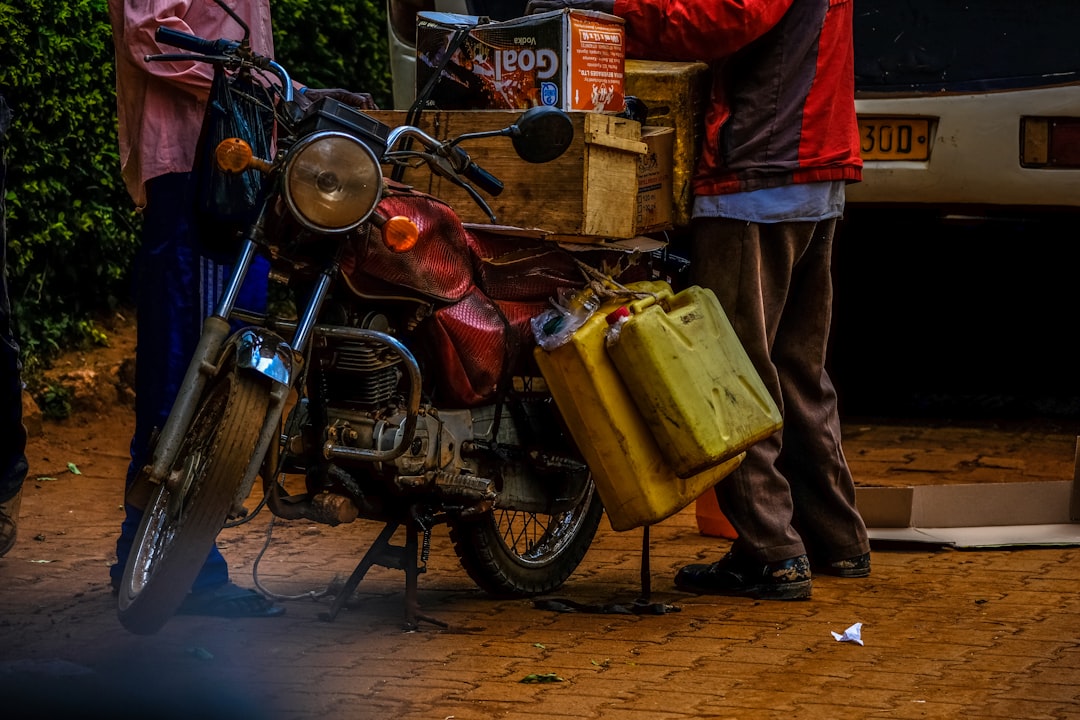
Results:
780 143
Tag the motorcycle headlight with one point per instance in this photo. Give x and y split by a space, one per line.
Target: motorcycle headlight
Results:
332 182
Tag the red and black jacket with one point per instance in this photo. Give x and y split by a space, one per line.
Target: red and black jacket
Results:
782 108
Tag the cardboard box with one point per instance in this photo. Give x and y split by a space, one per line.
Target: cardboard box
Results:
654 198
590 193
570 59
973 515
676 95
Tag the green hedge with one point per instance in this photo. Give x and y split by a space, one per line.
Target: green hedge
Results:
340 44
71 226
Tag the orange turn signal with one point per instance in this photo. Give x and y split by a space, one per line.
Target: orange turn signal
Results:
400 233
234 156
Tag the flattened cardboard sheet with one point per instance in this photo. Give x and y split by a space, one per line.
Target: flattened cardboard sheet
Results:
975 515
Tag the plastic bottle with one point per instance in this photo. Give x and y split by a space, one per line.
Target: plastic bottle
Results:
615 319
554 327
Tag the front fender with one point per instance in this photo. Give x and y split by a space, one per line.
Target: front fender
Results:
264 352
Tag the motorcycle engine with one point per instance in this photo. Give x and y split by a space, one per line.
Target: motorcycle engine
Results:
357 374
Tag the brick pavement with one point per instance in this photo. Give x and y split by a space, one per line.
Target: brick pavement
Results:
948 634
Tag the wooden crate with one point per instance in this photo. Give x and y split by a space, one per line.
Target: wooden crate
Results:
591 191
676 95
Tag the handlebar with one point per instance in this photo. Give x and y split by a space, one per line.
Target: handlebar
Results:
482 178
446 160
226 52
194 43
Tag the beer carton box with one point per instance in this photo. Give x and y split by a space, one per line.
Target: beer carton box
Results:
569 59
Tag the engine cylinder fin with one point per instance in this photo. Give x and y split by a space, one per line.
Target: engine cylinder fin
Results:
358 356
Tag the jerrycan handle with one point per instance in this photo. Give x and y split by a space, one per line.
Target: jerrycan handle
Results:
661 297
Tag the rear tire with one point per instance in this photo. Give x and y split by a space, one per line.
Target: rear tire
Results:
509 553
187 511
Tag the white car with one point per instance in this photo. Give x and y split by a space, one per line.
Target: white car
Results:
961 106
968 105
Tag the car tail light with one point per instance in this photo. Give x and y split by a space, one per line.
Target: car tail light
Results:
1050 142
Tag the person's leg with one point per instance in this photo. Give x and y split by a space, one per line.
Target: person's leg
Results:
169 321
812 458
750 276
13 466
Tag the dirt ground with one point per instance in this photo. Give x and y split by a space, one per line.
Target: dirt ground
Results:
947 634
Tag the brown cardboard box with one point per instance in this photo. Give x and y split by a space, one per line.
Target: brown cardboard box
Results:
592 192
654 180
570 59
676 95
975 515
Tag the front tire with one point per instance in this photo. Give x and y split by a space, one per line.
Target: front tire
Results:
510 553
188 509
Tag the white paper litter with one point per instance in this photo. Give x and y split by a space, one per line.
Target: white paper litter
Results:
852 634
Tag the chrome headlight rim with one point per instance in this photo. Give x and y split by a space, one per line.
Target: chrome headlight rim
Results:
297 152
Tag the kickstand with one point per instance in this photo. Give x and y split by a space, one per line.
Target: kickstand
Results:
646 574
383 553
412 570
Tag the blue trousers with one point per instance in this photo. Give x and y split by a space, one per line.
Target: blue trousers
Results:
176 288
13 465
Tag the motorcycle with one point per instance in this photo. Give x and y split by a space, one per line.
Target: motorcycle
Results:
402 389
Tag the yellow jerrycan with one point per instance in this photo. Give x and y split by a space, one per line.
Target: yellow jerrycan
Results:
634 479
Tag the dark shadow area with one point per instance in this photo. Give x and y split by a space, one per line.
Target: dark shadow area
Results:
958 319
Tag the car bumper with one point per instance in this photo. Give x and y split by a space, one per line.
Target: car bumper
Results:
974 154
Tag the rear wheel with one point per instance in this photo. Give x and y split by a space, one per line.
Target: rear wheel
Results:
511 553
188 509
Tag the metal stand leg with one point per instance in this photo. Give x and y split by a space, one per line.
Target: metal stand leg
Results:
412 571
646 574
369 559
383 553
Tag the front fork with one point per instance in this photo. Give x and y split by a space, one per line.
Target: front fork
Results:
254 349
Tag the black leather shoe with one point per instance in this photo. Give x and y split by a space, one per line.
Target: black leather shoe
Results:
854 567
745 577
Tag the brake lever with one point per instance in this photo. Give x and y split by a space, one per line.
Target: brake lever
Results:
444 167
476 196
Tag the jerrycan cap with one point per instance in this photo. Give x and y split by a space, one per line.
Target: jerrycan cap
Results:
618 314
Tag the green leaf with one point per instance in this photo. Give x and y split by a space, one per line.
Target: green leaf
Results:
541 678
74 470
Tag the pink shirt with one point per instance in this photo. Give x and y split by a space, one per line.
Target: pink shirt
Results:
160 105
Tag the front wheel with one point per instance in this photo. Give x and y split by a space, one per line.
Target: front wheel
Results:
511 553
188 509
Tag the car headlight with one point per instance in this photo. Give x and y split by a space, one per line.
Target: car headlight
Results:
332 182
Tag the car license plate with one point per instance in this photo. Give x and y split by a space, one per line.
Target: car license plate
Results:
894 138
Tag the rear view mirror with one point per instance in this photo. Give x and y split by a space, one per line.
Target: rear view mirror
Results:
541 134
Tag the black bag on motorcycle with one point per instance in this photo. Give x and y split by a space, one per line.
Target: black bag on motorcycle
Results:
225 203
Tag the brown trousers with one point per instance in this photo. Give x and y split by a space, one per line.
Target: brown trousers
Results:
794 492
